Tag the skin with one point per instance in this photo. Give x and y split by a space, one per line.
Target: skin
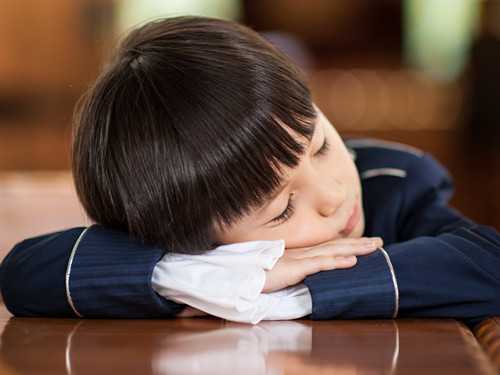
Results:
318 212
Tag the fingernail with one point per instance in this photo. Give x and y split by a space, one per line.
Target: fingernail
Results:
351 258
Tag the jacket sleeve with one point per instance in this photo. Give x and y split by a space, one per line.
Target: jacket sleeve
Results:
92 272
442 265
32 275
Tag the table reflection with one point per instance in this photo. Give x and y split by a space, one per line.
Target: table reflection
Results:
196 346
214 346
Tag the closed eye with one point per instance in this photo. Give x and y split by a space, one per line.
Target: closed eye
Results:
323 149
287 213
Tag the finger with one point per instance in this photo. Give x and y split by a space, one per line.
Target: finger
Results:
330 263
308 266
295 271
352 240
360 247
355 241
327 263
346 241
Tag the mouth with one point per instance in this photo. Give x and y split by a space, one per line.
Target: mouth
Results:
353 221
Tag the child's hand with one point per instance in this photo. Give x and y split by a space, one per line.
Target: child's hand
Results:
296 264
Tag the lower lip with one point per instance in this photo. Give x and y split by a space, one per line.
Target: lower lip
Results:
353 221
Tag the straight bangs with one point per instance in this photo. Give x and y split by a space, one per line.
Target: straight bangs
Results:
244 173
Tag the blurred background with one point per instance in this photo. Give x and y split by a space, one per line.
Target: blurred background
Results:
422 72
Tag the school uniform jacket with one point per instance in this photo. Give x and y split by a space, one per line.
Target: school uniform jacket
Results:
435 262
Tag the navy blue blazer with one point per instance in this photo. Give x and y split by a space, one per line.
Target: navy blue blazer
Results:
436 263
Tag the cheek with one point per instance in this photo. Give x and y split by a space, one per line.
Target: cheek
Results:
244 234
309 234
360 228
235 234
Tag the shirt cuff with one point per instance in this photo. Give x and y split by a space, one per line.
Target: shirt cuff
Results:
227 282
292 303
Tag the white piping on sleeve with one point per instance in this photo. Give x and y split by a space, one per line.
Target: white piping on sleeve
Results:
68 272
394 281
368 142
394 172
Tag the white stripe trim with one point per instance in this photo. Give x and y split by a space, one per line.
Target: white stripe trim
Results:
370 142
68 272
394 281
394 172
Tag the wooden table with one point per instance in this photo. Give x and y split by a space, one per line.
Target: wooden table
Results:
488 334
213 346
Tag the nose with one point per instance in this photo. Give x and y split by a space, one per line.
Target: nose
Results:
327 194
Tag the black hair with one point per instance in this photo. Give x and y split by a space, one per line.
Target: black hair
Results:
188 127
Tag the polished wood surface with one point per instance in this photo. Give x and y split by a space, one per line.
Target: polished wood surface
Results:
488 334
213 346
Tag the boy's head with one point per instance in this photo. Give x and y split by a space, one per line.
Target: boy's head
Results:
191 126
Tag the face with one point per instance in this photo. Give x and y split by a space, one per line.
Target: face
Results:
320 199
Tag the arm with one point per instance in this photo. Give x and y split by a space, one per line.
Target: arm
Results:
93 272
32 275
97 272
451 275
457 275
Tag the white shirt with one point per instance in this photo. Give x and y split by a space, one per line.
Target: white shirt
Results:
227 282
